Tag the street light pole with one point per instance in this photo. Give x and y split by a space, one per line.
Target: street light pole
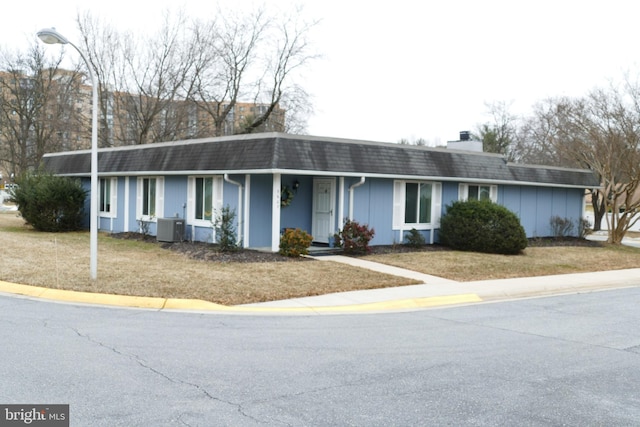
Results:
51 36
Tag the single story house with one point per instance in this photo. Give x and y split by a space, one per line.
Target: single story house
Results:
275 181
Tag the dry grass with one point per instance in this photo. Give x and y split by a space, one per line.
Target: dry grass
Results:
128 267
536 261
131 267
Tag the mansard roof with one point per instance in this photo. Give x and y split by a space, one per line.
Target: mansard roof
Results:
298 154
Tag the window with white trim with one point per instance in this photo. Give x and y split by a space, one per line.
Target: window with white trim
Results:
107 197
416 204
204 199
150 198
478 192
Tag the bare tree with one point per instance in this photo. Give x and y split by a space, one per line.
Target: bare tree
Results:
535 139
499 135
199 77
38 111
602 132
252 59
228 49
108 47
144 80
297 105
293 51
543 138
421 142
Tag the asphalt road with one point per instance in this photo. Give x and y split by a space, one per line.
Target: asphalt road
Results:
565 360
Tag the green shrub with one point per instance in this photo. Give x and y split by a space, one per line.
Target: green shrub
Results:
415 239
295 242
50 203
482 226
354 238
226 235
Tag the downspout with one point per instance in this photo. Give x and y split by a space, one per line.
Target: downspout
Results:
351 188
230 181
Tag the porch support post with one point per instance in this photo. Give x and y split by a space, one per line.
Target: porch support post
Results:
247 198
125 215
275 213
340 202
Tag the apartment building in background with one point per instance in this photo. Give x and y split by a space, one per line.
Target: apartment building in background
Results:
123 117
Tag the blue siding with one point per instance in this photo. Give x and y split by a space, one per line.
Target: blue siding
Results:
260 211
361 201
175 197
449 194
119 220
535 206
373 205
298 213
133 223
381 210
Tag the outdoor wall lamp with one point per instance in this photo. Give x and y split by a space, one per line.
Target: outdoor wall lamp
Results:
295 185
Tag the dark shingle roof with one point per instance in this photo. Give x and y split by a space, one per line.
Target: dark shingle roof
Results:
282 152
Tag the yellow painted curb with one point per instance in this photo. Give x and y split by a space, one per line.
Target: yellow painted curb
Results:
82 297
201 305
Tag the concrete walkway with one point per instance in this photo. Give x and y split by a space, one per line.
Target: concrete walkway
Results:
439 291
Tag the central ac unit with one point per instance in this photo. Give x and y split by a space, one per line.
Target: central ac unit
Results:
170 230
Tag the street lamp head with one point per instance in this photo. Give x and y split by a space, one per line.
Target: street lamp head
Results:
51 36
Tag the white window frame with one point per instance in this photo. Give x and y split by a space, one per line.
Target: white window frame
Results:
159 198
216 200
463 191
113 198
399 202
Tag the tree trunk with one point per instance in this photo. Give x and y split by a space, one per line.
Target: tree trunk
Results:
599 209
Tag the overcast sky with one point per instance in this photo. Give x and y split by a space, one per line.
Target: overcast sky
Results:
412 68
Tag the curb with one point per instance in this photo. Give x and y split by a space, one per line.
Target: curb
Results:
201 305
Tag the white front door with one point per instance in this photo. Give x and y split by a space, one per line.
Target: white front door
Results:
323 222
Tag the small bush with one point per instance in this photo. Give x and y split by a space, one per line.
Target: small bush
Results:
226 235
354 238
482 226
415 239
561 227
50 203
584 227
144 225
295 242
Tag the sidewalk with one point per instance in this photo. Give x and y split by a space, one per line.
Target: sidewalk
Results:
437 291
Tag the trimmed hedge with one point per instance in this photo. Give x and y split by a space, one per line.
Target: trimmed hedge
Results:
482 226
50 203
